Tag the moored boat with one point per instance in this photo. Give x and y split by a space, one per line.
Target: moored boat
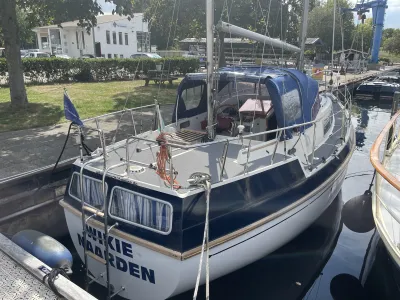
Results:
252 157
267 183
385 157
378 90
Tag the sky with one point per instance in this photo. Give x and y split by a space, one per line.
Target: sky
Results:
392 19
107 7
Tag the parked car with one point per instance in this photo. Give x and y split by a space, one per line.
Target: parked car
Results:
202 59
147 55
36 55
84 56
63 56
24 52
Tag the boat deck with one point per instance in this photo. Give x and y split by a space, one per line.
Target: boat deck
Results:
208 159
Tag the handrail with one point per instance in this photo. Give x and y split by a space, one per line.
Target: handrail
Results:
119 111
374 154
202 145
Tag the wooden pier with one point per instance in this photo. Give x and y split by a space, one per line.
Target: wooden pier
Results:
21 277
351 79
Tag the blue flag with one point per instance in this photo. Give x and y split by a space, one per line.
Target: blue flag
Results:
70 111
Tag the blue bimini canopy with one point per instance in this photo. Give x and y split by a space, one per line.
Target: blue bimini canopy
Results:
293 94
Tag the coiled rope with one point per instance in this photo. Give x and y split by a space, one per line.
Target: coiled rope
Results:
164 156
203 180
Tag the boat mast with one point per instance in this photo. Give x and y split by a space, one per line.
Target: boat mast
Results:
210 68
303 34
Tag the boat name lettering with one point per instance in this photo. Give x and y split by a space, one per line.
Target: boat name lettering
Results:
95 239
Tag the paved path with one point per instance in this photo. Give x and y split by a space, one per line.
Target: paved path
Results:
27 150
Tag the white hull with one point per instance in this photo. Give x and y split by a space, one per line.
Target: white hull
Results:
173 276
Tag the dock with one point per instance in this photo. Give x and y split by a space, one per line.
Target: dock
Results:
21 277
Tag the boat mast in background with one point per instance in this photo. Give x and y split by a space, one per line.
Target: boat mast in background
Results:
303 34
210 68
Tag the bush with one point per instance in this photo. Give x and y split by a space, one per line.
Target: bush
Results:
56 70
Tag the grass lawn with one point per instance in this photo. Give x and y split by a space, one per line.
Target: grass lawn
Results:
393 58
90 99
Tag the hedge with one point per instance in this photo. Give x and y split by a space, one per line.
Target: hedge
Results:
56 70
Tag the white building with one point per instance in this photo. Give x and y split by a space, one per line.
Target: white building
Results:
114 36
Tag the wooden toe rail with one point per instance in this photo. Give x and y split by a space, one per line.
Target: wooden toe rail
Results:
374 154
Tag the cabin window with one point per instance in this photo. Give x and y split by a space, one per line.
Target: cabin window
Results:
192 96
291 106
316 107
140 210
93 190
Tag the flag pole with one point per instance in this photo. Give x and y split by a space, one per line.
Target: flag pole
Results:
80 134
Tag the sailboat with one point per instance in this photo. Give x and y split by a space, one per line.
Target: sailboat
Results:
253 156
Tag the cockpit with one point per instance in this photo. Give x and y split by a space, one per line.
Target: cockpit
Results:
236 103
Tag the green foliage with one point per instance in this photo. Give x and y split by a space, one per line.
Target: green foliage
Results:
362 35
52 70
172 20
320 24
392 42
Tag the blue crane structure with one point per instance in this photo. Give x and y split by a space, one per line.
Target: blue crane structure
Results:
378 17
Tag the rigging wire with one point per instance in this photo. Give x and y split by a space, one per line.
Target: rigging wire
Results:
168 40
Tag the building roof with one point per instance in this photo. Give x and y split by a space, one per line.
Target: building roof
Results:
314 41
351 50
226 41
101 19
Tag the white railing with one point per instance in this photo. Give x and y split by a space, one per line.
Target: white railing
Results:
127 161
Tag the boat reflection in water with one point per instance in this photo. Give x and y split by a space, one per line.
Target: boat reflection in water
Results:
379 277
288 273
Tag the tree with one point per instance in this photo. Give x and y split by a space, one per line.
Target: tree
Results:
175 20
392 44
321 24
56 10
388 33
363 32
26 22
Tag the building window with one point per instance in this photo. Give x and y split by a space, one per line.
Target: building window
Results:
103 56
121 56
126 39
120 38
45 42
109 55
143 41
108 37
83 40
114 38
77 39
115 55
